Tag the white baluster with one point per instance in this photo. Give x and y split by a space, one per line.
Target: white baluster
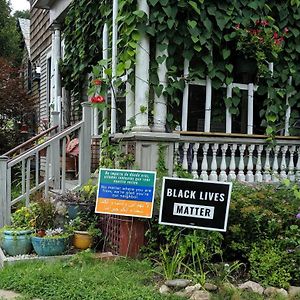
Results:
258 175
241 175
185 160
267 175
283 164
291 174
249 175
298 165
275 176
195 161
176 159
204 164
213 174
223 175
232 166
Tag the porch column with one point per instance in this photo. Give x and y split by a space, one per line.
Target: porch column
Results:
129 102
105 57
114 53
142 77
160 102
4 205
208 105
56 57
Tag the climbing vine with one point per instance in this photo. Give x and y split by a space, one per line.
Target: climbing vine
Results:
202 32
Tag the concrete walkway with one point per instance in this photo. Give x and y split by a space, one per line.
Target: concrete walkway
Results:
8 295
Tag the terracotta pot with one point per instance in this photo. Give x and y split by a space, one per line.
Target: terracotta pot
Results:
82 240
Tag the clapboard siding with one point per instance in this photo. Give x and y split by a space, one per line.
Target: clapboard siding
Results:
40 34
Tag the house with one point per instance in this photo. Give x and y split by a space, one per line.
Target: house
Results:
211 141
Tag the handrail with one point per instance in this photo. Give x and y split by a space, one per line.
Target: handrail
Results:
33 139
44 145
234 135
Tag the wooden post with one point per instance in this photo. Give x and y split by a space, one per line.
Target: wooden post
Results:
105 57
132 236
55 154
4 206
208 105
250 108
228 114
85 137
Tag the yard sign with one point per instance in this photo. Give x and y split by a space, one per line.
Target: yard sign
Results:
126 193
195 204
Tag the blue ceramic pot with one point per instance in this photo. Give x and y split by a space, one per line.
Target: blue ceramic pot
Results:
16 242
44 246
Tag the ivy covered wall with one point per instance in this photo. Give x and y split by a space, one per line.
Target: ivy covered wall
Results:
203 32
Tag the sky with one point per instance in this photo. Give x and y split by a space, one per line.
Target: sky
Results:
19 5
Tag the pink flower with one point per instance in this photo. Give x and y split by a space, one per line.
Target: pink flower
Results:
97 99
237 26
264 23
285 30
275 35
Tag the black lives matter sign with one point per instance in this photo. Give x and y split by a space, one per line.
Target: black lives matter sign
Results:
195 204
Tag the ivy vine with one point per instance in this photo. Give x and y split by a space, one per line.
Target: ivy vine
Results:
201 32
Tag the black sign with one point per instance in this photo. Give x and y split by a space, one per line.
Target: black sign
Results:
195 204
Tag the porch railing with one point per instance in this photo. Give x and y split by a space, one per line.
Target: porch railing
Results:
231 157
54 165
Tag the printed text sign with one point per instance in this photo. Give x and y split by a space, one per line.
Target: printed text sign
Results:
126 193
195 204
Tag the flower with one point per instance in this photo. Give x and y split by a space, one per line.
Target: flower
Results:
261 42
298 216
97 99
97 82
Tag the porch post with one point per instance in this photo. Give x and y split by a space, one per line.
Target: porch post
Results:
4 206
114 67
55 153
208 105
129 102
85 136
160 102
250 108
288 112
185 99
56 56
105 57
142 77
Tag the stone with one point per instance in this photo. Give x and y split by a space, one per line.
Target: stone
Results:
252 286
182 294
271 291
294 291
164 289
178 283
210 287
200 295
7 295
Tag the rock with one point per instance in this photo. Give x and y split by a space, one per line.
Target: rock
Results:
252 286
200 295
181 293
189 290
164 289
9 295
294 290
178 283
210 287
271 291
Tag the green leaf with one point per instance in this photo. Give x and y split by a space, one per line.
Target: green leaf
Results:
198 48
194 39
226 53
194 6
139 13
158 90
153 2
170 23
229 67
192 23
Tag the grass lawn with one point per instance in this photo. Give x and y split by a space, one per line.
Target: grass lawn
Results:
82 279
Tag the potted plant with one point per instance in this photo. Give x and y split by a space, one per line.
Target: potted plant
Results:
257 45
85 231
79 201
16 239
54 242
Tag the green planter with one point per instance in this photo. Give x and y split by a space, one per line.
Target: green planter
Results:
44 246
16 242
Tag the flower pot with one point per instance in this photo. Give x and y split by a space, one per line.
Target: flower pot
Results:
82 240
44 246
16 242
75 208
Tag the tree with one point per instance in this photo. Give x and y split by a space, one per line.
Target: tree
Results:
24 14
9 35
16 107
